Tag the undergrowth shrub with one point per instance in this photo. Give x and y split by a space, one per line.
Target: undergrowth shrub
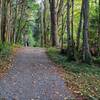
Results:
82 77
5 50
97 60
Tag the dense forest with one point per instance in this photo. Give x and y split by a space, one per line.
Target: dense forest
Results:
70 27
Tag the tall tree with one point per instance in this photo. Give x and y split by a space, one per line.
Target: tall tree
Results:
99 27
53 22
79 29
3 20
72 21
86 50
68 24
70 48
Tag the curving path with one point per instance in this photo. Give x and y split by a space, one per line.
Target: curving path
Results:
34 77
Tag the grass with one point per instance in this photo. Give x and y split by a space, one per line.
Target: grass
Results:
83 79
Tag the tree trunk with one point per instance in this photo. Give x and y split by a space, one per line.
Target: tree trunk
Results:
62 34
13 38
99 29
68 24
44 23
70 52
42 26
53 22
86 50
72 21
18 34
79 29
3 20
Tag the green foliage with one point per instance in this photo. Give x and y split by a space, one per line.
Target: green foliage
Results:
5 50
93 20
72 66
32 41
85 77
97 60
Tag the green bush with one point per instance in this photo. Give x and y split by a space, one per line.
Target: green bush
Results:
5 50
74 67
97 60
85 77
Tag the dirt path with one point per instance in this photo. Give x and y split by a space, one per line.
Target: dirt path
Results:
33 77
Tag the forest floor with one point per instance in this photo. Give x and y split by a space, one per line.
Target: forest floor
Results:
34 77
82 78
